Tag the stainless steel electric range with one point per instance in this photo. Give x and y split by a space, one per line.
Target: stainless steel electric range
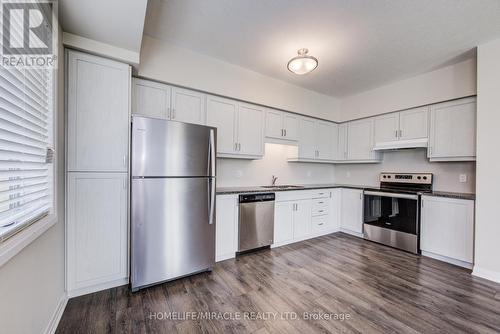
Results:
392 213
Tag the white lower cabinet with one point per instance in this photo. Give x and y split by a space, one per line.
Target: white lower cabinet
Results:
352 211
300 215
97 230
226 227
447 229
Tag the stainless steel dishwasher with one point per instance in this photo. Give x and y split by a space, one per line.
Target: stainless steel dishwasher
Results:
256 221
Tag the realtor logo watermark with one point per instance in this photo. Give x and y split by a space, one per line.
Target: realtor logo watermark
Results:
28 34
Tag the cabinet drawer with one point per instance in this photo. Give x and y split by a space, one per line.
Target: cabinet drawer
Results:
319 224
320 207
294 195
320 193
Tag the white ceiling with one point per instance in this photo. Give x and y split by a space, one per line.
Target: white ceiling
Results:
115 22
360 44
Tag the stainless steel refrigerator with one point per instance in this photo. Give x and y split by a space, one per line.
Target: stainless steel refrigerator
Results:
173 200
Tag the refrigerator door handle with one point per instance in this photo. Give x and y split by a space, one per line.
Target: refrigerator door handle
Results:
211 201
211 154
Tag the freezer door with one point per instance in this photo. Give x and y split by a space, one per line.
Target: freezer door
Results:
173 228
170 148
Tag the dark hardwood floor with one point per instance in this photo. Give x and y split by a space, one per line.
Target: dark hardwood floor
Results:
362 286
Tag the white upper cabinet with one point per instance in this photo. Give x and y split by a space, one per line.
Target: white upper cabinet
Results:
406 125
188 106
291 126
307 138
158 100
414 123
325 135
150 98
448 228
250 130
222 114
387 128
281 125
317 140
341 142
98 113
274 124
240 128
360 140
452 134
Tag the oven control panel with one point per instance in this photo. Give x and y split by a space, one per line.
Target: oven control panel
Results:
420 178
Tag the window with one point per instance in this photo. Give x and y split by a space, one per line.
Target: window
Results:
26 141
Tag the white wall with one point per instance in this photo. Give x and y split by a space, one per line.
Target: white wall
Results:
171 64
446 174
236 172
487 243
447 83
32 282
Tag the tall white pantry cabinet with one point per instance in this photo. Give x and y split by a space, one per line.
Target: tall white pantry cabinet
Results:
97 165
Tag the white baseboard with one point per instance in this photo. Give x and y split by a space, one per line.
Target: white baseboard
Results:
97 287
56 316
486 274
356 234
459 263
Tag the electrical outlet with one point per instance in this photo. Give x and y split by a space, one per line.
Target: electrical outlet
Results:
463 178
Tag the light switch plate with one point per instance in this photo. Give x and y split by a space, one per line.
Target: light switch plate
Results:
463 178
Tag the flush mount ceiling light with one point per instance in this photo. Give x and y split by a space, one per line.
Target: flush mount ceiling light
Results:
303 63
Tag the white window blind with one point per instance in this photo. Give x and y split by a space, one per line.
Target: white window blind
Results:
26 172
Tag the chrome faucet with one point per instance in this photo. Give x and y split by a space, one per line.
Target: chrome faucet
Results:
273 181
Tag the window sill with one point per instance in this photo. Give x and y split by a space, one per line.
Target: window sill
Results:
16 243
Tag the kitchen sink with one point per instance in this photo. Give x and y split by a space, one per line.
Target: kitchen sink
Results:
285 186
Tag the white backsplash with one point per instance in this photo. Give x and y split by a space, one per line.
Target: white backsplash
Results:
446 174
238 172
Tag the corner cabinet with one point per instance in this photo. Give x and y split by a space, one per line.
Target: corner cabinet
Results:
447 229
98 116
452 134
240 128
153 99
317 141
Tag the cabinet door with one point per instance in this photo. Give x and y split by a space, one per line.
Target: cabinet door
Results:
302 219
414 123
188 106
342 142
250 130
334 209
98 113
307 138
453 130
226 227
283 222
96 229
360 140
352 210
324 140
291 126
150 98
448 227
274 124
386 128
222 114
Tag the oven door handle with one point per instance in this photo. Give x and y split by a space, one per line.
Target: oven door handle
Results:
384 194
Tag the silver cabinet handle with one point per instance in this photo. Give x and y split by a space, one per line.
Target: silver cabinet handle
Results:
173 113
284 131
320 224
169 113
239 146
396 135
400 133
236 146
